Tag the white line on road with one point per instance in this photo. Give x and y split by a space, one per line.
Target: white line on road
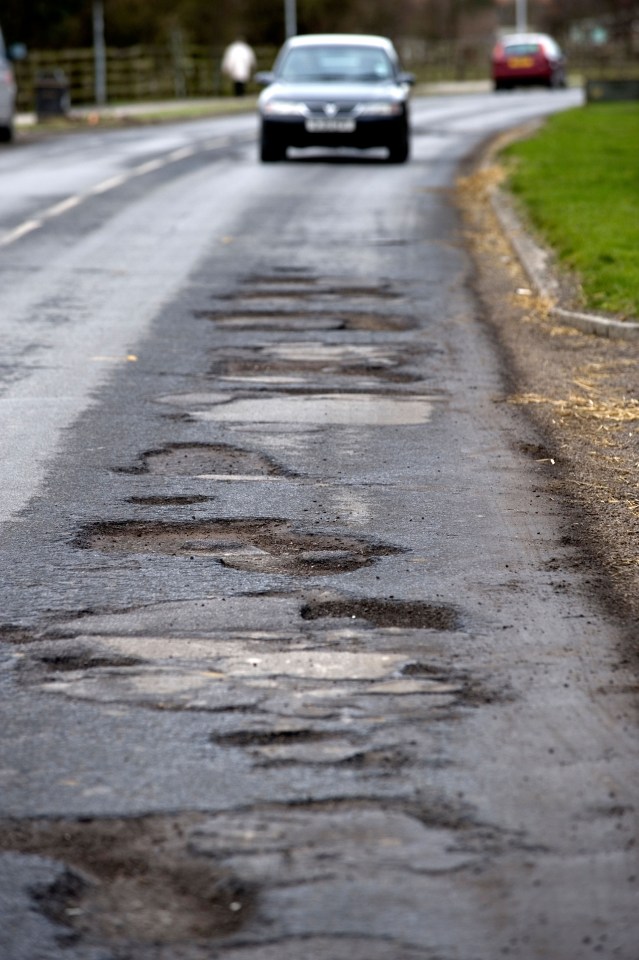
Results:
149 166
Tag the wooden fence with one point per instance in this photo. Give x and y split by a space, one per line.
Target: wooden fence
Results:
133 74
160 73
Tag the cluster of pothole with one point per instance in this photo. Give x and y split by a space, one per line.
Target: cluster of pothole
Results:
265 546
300 302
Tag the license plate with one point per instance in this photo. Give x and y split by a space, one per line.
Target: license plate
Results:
330 126
520 63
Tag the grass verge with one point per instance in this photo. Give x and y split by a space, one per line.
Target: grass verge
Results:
578 178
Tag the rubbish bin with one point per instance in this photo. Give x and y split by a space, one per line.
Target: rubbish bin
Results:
52 94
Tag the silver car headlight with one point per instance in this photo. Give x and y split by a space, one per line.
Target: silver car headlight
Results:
284 108
381 108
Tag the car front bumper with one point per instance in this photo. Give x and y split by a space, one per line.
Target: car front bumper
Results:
367 132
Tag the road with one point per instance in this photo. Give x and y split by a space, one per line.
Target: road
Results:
295 662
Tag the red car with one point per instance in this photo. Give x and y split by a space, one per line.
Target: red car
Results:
528 58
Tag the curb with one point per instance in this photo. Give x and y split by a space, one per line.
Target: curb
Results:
535 260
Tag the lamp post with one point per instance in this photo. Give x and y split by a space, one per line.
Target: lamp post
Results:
290 17
522 16
99 52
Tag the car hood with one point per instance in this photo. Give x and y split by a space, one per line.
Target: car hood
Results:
308 92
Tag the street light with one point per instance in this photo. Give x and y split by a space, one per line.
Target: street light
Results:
522 16
290 17
99 52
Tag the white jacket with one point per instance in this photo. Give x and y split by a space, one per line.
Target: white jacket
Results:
239 61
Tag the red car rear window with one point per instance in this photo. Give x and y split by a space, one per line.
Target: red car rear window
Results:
522 49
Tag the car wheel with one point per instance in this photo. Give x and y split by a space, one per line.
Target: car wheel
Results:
271 153
6 133
398 151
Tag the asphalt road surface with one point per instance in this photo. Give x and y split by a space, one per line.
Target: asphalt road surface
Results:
295 663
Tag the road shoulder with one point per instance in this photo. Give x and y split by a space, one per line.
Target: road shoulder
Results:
579 390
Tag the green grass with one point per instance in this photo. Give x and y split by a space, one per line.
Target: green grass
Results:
579 180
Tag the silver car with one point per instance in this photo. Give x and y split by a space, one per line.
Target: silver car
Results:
7 94
335 90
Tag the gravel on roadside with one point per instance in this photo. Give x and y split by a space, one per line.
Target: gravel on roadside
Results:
582 393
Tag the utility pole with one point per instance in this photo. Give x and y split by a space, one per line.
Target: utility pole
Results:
522 16
290 17
99 53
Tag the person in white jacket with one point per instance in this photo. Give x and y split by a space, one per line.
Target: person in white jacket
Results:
238 63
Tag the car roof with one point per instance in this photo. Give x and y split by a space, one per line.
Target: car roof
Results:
525 38
310 39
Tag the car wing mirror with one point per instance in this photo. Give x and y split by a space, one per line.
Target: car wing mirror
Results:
17 51
407 78
264 77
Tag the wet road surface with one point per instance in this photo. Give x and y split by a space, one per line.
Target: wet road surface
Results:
295 662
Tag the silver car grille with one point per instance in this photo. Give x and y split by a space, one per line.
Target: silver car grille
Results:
329 109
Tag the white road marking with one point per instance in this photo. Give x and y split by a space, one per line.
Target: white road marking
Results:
150 166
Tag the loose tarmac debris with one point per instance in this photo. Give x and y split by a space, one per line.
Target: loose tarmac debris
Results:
195 459
263 546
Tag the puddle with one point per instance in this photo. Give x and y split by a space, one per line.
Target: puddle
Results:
131 880
328 353
314 665
194 459
356 409
261 546
384 613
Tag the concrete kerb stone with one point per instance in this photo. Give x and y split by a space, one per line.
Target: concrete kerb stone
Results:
536 261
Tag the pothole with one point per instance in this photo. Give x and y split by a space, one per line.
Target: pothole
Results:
262 546
352 409
384 613
266 372
205 459
278 288
270 738
85 660
15 634
159 501
131 880
315 321
284 279
293 359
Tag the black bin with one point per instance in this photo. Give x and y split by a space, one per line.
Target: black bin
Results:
52 94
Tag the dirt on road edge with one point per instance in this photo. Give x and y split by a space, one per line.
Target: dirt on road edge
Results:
580 391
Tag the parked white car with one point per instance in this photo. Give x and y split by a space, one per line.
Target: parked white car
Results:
7 94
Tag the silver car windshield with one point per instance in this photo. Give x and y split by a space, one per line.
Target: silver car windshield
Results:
326 63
